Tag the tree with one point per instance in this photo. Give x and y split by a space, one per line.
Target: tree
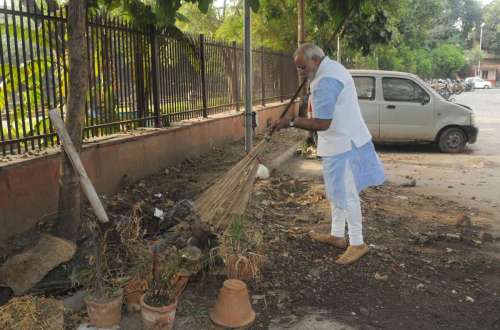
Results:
491 30
415 23
192 20
363 24
69 185
447 61
270 25
301 33
456 22
161 14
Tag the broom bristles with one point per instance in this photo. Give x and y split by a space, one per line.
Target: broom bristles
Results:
229 195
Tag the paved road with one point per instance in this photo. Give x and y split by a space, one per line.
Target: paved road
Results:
486 104
473 178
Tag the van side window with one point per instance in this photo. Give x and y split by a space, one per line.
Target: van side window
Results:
365 87
402 90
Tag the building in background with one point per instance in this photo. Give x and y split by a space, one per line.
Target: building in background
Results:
489 70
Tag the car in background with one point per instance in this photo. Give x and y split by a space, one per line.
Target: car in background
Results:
478 83
401 107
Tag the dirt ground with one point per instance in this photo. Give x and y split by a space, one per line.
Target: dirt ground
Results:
426 267
471 178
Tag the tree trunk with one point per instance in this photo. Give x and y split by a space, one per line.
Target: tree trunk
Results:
301 34
69 187
301 37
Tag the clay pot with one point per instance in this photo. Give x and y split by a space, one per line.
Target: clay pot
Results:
233 308
241 267
134 289
158 318
105 313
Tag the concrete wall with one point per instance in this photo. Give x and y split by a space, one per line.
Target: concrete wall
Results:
29 188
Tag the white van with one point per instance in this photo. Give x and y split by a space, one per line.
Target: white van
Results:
400 107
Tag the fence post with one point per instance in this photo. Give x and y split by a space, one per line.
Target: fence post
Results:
235 77
263 84
155 75
203 76
139 82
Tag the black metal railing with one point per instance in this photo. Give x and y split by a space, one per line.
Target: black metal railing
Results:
138 76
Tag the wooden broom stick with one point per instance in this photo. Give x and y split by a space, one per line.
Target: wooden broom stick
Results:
69 149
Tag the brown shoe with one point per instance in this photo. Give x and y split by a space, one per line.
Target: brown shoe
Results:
352 254
338 242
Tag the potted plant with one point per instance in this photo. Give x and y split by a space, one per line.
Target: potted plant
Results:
159 303
136 258
105 294
240 248
137 276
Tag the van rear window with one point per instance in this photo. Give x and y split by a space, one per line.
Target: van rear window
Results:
365 87
402 90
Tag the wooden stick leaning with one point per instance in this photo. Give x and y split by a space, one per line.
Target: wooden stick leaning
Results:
69 149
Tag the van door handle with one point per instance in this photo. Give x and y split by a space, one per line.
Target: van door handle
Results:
390 106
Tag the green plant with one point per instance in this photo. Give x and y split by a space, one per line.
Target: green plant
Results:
97 276
240 249
240 238
120 255
163 286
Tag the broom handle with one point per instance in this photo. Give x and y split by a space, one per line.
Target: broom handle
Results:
290 104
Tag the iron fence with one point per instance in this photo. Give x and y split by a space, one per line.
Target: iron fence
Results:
138 76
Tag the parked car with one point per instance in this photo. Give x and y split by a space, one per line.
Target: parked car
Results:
400 107
478 82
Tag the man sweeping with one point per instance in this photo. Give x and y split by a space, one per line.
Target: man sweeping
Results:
350 163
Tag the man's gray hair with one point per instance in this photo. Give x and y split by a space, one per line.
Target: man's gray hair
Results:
310 52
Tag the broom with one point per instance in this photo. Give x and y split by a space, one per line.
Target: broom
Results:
229 196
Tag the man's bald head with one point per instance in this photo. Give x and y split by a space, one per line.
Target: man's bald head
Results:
307 58
309 52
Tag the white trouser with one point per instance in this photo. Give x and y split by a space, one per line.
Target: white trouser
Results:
351 214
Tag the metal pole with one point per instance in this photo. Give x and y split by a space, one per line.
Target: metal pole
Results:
338 48
480 46
248 79
155 75
236 82
203 76
262 81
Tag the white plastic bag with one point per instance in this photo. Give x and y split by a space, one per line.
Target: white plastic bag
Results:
263 172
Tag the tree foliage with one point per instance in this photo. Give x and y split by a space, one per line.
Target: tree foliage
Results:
447 60
366 23
491 30
161 13
428 45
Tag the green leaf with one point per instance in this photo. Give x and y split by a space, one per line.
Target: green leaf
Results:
203 5
254 4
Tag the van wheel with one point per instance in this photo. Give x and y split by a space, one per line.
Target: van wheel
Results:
452 140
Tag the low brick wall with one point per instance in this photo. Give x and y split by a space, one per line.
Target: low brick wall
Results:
29 188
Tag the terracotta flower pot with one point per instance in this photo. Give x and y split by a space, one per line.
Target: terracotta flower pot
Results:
158 318
105 313
134 289
233 308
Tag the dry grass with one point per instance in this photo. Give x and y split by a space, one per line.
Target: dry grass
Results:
32 313
240 249
230 194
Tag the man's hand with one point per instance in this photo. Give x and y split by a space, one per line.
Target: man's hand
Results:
280 124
